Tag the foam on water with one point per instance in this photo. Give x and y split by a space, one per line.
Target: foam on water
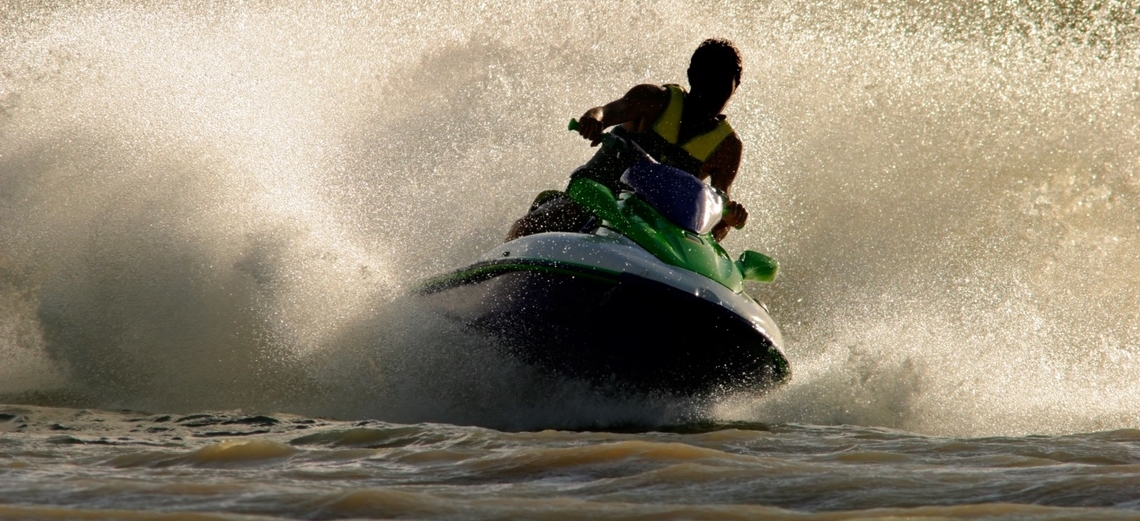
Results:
210 204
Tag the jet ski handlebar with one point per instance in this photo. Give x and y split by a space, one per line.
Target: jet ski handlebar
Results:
609 138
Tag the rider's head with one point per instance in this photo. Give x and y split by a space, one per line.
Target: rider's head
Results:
714 72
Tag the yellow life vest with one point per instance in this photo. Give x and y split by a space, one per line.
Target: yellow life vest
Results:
668 126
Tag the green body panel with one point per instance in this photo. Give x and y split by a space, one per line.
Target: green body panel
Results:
673 245
677 246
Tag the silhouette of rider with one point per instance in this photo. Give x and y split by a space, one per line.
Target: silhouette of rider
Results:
683 129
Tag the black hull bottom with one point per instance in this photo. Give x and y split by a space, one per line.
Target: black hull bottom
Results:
627 334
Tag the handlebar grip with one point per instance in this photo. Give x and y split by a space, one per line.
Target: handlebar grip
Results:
725 212
573 124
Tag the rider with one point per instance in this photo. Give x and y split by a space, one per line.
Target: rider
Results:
681 129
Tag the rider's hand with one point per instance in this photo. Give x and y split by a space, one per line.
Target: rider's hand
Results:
735 215
590 126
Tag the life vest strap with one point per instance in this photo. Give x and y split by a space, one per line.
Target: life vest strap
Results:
668 126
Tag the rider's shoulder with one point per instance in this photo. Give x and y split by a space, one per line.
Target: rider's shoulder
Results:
730 149
732 140
648 92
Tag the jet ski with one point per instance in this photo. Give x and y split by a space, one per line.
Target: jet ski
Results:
644 301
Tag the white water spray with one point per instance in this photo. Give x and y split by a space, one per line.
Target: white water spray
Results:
201 203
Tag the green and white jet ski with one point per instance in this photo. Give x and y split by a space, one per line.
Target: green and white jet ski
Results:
646 302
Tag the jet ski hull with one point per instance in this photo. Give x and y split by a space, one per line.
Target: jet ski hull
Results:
624 321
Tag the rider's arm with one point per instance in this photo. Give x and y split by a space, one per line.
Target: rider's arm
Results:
637 109
720 169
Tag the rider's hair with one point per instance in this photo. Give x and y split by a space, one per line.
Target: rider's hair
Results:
717 55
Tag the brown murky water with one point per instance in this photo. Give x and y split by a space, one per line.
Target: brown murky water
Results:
59 463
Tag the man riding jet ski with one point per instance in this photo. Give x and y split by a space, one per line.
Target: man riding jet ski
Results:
619 281
681 129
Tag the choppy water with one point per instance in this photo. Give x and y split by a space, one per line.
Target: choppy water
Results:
212 206
232 466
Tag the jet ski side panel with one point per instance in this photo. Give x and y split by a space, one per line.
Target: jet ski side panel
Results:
606 254
620 330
